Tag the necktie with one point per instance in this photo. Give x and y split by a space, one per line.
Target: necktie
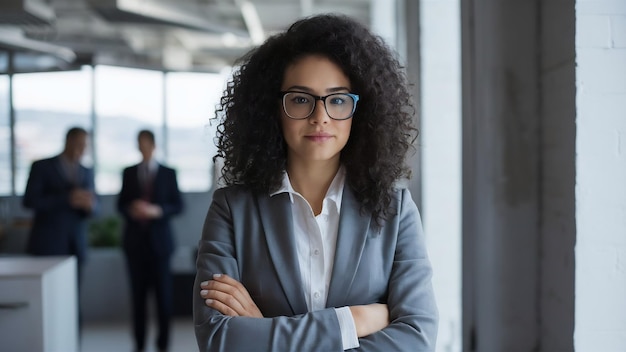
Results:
146 181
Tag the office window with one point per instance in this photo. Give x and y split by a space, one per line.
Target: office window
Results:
5 137
46 106
191 101
127 100
4 62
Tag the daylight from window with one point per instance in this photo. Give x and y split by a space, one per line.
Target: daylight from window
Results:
46 105
5 137
177 107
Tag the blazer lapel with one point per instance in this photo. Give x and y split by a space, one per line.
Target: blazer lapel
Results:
351 238
277 220
80 176
154 179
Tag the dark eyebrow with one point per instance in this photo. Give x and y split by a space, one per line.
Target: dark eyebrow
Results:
309 90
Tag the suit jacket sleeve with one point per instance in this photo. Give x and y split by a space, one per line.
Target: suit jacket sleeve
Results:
125 196
172 204
413 313
42 198
35 195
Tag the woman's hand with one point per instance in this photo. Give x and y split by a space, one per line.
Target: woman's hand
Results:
229 297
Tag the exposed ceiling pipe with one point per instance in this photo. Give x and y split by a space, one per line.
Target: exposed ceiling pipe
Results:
157 12
13 38
252 21
26 12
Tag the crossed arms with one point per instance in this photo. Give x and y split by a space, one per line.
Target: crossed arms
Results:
249 310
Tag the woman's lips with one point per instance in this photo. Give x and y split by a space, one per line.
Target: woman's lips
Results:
319 137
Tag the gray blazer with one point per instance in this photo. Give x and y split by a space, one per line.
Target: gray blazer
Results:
250 238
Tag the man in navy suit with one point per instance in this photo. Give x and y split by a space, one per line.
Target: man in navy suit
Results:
148 199
61 192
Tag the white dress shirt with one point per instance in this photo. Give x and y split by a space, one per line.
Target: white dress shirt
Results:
147 169
316 239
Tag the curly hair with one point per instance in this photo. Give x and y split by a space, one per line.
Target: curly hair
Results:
250 139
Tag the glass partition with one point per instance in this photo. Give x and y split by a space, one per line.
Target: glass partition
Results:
46 106
4 61
127 100
5 138
191 101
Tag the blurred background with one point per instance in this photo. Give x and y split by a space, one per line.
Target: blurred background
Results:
520 169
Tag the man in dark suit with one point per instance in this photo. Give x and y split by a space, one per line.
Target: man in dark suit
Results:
148 199
61 192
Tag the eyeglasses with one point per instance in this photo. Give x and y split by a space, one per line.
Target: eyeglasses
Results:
300 105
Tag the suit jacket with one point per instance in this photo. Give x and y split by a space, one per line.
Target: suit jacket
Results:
57 229
250 238
155 234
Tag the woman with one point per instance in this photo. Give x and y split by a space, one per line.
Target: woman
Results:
313 245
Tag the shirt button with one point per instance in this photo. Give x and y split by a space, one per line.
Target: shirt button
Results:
316 295
316 252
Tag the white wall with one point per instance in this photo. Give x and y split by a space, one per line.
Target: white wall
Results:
601 176
440 145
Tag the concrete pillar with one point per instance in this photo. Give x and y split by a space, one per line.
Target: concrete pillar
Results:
558 160
518 175
501 175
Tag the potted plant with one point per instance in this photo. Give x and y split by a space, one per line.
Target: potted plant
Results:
105 232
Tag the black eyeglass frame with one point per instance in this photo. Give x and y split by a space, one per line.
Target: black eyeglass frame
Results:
355 98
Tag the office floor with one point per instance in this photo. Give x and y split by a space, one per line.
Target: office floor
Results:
117 336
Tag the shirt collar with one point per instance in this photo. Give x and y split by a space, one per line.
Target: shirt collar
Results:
152 164
67 161
334 193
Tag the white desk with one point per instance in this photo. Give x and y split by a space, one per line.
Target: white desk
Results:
38 304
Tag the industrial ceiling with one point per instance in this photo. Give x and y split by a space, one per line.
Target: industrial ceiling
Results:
178 35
